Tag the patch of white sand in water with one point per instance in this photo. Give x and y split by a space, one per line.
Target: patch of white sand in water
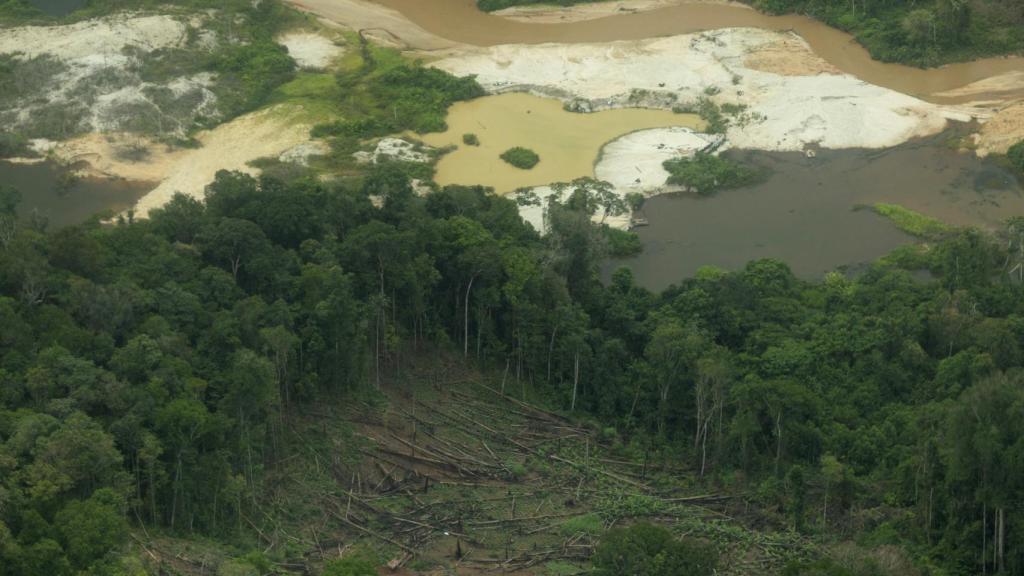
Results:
833 111
311 51
633 163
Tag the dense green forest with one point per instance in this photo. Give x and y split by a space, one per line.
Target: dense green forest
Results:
151 371
918 32
147 366
923 33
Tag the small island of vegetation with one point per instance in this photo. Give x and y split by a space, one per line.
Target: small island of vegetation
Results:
470 139
706 174
520 157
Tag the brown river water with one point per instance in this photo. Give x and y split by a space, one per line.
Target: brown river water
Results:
461 21
568 143
42 192
811 212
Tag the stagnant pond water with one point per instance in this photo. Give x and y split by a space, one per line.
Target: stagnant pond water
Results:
568 143
58 7
41 191
806 212
461 21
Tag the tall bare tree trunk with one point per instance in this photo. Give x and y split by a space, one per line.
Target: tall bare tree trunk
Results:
465 325
575 380
551 349
1001 538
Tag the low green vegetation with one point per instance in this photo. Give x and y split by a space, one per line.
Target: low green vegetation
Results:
589 524
520 157
653 551
233 48
1016 156
622 243
920 32
357 563
706 174
383 93
470 139
912 222
718 118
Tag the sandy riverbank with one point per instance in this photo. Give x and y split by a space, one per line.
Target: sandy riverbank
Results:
382 24
547 14
230 146
793 99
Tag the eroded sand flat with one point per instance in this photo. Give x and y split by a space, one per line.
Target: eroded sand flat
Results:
783 110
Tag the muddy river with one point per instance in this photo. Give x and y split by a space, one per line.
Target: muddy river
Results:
58 7
568 143
63 205
461 21
807 212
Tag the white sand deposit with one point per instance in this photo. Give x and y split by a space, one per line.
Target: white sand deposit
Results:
829 110
547 14
373 20
311 51
104 36
230 146
388 149
94 79
1002 130
633 163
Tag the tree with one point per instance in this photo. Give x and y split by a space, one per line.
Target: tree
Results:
9 200
181 218
672 354
591 195
920 26
232 243
986 465
280 343
91 528
832 472
714 374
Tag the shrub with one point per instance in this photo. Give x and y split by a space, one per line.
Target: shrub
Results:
1016 155
520 157
912 222
249 73
359 563
470 139
517 470
706 174
622 243
587 524
387 94
652 551
12 144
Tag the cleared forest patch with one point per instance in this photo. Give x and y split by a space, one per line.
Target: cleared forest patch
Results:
440 471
